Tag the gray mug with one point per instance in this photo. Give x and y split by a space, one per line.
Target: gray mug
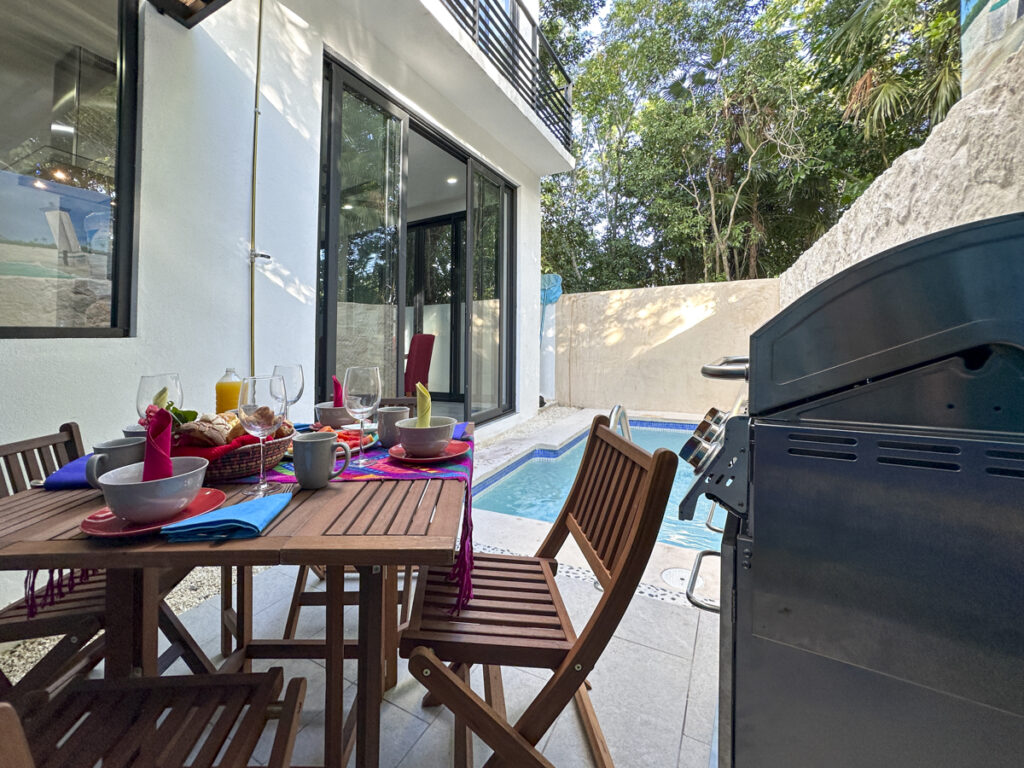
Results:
113 454
387 421
315 454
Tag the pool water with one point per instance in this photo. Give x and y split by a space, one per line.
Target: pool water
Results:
28 269
538 488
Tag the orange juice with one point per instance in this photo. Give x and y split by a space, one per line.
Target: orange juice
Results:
227 391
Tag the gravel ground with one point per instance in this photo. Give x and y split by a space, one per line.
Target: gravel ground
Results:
198 587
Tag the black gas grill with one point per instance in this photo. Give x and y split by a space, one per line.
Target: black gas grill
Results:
873 562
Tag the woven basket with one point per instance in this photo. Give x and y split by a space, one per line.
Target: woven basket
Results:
245 461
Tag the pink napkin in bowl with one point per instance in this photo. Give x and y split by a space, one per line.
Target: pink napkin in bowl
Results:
339 393
156 464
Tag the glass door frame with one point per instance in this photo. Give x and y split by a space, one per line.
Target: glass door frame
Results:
457 222
338 79
506 336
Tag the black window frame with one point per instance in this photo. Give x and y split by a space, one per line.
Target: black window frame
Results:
123 290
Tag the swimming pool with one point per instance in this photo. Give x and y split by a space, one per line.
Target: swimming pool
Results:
536 485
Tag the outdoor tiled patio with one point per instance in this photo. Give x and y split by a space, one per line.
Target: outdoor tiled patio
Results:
654 689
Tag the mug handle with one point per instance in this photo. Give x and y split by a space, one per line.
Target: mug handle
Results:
93 469
348 458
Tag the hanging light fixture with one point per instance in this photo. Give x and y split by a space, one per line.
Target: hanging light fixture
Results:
188 12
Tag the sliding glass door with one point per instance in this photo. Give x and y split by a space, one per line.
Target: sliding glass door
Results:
415 238
488 284
362 257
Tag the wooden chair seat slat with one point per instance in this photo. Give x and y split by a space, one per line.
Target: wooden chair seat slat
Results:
159 721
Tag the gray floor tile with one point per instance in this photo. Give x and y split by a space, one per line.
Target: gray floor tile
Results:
660 625
693 754
637 693
702 691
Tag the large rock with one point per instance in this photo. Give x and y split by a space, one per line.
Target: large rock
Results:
971 167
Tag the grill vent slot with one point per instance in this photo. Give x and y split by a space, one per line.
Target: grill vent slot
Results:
819 454
919 463
825 439
1010 455
1005 472
902 446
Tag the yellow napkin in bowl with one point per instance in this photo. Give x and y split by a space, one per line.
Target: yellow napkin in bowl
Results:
422 405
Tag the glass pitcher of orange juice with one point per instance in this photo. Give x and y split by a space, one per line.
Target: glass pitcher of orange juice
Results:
227 391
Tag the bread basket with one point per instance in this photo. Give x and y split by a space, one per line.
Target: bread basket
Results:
245 461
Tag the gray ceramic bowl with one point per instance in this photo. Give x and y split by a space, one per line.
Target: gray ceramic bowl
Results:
425 442
150 502
330 416
134 430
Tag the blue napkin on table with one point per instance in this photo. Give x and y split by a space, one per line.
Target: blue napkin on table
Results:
240 521
460 431
69 477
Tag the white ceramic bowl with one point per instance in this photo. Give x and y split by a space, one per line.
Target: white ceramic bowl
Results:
150 502
329 416
425 442
134 430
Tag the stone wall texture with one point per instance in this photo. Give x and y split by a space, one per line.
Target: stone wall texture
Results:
971 167
643 348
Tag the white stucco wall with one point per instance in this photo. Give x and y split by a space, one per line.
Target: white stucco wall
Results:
196 139
643 348
971 167
195 153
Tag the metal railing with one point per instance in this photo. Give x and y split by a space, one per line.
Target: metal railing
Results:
620 420
507 34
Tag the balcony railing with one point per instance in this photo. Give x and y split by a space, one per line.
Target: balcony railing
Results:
509 37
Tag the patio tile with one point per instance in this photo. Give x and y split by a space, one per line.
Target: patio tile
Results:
694 754
637 694
312 708
702 691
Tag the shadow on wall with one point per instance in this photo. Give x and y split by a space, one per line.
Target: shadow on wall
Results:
644 348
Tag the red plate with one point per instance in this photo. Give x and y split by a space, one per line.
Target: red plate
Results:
453 450
106 524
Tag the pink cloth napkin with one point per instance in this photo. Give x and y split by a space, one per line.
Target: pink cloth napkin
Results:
156 464
339 393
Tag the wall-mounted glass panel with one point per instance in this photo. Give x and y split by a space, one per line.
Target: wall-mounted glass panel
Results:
370 173
488 285
59 97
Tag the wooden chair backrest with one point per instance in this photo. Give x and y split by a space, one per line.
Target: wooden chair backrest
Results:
37 457
408 402
613 512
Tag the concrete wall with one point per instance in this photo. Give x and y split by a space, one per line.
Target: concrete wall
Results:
971 167
643 348
195 162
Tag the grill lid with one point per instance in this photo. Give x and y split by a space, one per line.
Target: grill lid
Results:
958 293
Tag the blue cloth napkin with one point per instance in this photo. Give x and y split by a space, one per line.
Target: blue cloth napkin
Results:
241 521
69 477
460 431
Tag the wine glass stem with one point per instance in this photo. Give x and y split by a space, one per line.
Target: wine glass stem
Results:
360 438
263 471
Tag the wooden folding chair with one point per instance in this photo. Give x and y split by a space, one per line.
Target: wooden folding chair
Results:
79 614
170 721
517 617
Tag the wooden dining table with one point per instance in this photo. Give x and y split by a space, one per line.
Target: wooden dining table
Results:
373 525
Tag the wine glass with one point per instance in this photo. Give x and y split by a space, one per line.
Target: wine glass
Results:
293 383
262 401
157 389
362 395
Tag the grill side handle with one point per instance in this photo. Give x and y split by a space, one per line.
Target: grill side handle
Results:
736 367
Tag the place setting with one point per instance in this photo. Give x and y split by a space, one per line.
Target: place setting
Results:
153 480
